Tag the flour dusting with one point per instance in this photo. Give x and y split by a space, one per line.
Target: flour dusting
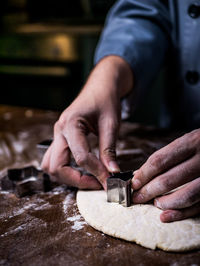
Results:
58 190
74 218
29 206
78 224
67 202
22 210
16 230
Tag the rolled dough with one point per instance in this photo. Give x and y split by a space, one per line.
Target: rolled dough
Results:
138 223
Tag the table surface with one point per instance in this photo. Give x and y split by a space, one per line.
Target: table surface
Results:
46 228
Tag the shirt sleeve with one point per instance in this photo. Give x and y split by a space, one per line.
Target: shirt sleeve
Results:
139 32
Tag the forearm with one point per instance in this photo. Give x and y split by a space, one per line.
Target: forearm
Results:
112 75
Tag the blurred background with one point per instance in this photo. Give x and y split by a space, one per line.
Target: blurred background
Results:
46 53
46 49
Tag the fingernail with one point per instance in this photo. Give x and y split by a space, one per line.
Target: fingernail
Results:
170 216
157 204
136 183
113 167
166 217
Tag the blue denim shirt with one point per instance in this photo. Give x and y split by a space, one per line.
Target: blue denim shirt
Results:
149 34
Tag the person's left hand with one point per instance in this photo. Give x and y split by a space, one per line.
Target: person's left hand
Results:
174 165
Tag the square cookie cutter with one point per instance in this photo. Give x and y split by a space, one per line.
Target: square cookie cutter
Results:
119 188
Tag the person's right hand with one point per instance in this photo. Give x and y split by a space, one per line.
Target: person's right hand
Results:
97 110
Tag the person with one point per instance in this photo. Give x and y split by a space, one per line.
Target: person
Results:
139 38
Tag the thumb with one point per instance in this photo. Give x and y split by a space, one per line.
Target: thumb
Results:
108 131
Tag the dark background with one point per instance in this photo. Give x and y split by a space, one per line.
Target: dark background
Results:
46 53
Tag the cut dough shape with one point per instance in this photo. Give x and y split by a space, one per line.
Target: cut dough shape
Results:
138 223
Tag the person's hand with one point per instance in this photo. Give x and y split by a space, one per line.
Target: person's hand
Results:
175 165
96 110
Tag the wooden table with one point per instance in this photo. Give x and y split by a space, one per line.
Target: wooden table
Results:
46 228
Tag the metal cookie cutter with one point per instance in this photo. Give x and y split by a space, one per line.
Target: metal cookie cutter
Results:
26 181
119 188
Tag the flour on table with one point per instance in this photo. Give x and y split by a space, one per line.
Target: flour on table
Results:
78 224
16 230
139 223
76 220
67 202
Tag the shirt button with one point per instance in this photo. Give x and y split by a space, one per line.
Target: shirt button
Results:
194 10
192 77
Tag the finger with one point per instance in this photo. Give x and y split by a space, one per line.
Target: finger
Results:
60 154
163 159
80 149
107 144
173 178
46 159
182 198
57 155
177 215
45 165
71 177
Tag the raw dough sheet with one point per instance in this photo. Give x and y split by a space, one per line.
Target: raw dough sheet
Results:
138 223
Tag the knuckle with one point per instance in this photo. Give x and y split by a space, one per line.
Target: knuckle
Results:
193 139
82 125
110 152
196 138
195 132
156 161
167 184
81 159
53 171
56 127
61 124
74 120
192 198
